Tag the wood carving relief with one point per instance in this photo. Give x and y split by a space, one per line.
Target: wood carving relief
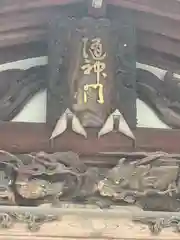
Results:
92 82
58 183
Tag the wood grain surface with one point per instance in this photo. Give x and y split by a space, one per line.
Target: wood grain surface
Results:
30 137
156 21
78 228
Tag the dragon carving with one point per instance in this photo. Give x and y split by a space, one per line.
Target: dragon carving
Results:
62 176
142 179
91 83
130 181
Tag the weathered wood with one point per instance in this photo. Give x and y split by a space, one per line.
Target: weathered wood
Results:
165 8
36 49
154 58
23 51
146 39
153 31
74 227
40 16
9 6
158 42
28 137
21 36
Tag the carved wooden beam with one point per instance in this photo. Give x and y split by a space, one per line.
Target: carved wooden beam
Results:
146 39
164 8
145 55
158 43
40 16
153 31
154 58
9 6
23 51
28 137
170 9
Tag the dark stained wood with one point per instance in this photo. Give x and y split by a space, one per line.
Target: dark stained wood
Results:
40 17
170 9
156 24
28 137
154 58
37 49
158 42
23 51
148 21
24 137
11 38
144 39
164 8
37 17
9 6
159 33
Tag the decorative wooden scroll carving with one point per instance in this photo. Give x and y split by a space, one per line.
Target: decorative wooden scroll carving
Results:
61 184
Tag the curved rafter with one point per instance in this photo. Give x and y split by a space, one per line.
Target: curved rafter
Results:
153 19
